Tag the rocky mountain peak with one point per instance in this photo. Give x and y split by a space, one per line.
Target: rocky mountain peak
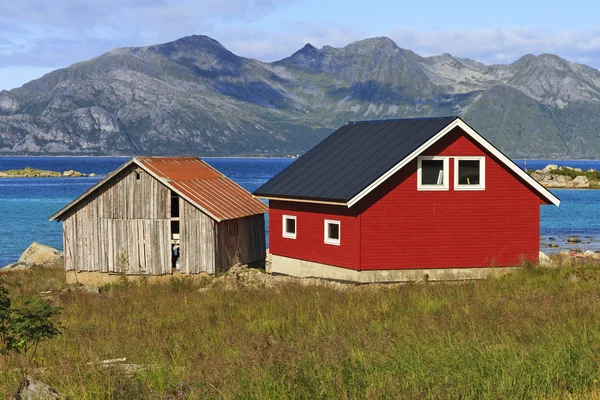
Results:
524 59
371 44
554 81
308 48
444 59
549 62
202 41
196 44
307 51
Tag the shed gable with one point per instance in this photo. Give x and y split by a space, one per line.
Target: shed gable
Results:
127 215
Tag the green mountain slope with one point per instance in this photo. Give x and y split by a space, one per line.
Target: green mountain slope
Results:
193 96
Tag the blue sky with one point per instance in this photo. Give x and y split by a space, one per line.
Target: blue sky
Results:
38 36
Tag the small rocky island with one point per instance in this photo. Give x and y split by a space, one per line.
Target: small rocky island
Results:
29 172
553 176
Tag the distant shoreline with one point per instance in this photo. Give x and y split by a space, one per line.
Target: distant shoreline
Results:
29 172
246 157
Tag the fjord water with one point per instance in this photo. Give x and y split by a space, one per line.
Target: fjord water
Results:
26 203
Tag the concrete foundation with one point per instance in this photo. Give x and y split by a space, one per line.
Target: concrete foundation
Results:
308 269
102 278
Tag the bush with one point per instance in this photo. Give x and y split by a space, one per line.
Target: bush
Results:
22 328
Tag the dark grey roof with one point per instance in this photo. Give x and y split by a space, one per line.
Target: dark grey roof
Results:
351 158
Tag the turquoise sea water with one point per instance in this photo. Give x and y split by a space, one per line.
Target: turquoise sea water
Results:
26 204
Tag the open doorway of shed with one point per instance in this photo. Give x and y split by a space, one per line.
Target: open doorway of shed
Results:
175 235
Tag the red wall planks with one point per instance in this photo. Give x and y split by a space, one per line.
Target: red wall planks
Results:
309 244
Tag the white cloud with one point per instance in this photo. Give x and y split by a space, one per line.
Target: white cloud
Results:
41 34
77 14
271 46
504 45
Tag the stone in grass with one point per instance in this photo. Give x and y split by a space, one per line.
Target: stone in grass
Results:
591 254
32 389
17 265
564 258
544 260
88 289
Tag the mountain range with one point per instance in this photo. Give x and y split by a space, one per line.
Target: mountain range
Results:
193 96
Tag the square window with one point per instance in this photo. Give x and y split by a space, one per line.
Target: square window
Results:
432 173
469 173
332 232
289 227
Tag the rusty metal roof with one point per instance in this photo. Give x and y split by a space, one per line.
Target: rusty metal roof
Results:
203 186
197 182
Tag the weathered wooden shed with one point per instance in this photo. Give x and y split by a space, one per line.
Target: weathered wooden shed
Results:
157 216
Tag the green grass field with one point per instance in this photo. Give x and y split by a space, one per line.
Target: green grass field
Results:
532 334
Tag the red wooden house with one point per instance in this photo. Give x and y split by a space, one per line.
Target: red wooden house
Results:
398 200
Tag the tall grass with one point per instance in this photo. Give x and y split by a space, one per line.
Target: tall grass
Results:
532 334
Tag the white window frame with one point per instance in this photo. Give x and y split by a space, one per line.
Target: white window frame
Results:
327 239
445 185
284 231
481 185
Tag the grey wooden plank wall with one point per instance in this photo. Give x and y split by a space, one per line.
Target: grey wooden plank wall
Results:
245 247
130 214
197 239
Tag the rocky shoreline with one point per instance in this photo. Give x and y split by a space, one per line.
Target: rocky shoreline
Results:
29 172
572 244
555 177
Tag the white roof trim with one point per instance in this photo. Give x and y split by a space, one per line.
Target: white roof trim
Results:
479 139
